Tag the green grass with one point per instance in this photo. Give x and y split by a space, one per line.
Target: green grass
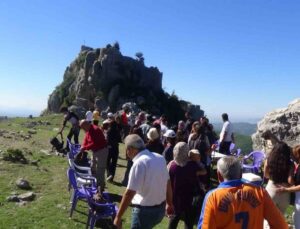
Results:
243 142
50 209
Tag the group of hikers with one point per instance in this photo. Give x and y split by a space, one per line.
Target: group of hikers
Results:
169 172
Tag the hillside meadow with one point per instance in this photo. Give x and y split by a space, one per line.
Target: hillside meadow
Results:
50 209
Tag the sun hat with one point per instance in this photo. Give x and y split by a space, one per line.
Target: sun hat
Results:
153 134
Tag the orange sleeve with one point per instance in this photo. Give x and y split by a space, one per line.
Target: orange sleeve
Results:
208 215
272 213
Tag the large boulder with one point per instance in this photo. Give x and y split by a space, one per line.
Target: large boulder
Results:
284 123
105 73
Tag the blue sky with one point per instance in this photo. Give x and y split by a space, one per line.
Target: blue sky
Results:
235 56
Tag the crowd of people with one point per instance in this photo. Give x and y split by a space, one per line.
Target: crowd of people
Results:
169 169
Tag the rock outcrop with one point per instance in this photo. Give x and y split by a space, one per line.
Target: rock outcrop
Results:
284 123
103 77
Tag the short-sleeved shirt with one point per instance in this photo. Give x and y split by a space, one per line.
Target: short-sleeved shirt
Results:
148 177
72 118
184 184
227 127
236 204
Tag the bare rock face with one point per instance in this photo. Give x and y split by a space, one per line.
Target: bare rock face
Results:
284 123
105 78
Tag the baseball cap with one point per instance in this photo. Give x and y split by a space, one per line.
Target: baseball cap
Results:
170 134
110 115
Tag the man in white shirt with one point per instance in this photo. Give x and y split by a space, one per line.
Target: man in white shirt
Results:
149 189
226 135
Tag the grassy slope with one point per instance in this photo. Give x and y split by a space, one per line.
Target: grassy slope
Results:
50 208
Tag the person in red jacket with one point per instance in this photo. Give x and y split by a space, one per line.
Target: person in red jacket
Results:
94 140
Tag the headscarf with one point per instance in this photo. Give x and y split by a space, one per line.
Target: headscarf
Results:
180 153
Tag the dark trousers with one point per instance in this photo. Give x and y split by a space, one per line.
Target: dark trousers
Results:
113 154
187 216
125 179
225 148
74 131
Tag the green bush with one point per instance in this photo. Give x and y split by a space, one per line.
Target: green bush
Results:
14 155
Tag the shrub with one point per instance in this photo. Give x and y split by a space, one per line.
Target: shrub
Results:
14 155
139 54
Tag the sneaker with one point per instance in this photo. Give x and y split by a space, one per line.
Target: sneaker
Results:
109 178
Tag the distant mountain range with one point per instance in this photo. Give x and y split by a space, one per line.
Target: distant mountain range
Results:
243 128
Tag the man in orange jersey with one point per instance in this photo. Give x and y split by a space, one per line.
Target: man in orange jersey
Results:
237 204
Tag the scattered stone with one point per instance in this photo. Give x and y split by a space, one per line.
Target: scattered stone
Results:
32 131
21 203
44 151
27 196
34 162
23 184
61 206
13 198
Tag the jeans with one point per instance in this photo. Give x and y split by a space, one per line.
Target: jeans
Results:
147 217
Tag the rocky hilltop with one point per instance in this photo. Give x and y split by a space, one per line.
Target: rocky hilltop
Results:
284 123
103 77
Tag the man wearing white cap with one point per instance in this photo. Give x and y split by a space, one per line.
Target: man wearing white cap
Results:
170 135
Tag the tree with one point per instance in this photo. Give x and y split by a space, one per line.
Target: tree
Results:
140 56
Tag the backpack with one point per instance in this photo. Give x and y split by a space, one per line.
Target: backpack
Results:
57 144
